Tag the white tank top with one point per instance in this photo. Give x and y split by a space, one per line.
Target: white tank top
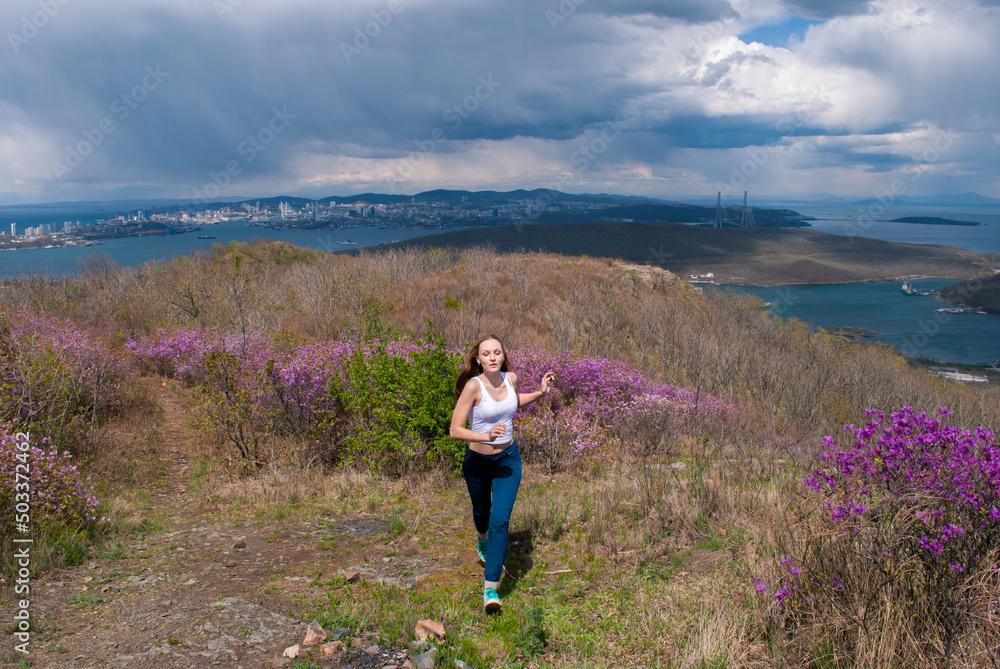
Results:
490 412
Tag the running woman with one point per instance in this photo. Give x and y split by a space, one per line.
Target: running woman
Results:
492 463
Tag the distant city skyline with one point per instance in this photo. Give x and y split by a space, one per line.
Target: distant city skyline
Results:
678 99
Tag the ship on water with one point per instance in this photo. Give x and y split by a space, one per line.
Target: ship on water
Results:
910 290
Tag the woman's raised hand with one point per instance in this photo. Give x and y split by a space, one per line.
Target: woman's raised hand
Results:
547 382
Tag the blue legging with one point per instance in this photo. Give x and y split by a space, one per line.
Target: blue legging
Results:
493 481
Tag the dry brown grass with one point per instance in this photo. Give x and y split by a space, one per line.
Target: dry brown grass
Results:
789 380
687 540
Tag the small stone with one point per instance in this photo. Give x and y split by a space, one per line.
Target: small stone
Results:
292 651
190 581
411 584
315 634
407 664
418 646
678 465
355 642
429 628
88 579
425 660
230 564
461 665
386 559
240 544
339 633
352 576
332 648
372 650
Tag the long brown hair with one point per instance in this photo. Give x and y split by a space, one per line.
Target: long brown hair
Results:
471 367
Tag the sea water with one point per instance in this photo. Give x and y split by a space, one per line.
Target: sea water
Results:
133 251
910 323
849 221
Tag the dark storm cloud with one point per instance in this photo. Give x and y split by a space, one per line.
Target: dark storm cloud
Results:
728 132
825 9
340 75
315 91
691 11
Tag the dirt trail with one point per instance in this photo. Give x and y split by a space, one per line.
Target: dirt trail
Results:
205 593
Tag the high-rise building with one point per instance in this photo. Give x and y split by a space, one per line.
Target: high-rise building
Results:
13 229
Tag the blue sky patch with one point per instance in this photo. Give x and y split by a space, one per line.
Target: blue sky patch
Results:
780 34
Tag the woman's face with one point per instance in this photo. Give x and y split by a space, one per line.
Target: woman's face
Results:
490 355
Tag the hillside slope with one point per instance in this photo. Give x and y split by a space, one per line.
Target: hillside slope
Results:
755 256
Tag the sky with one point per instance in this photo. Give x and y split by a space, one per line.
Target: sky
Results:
671 99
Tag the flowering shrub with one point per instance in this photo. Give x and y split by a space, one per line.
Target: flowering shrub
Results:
57 498
598 404
385 403
57 379
915 509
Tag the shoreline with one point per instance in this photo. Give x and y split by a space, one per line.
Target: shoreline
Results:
910 277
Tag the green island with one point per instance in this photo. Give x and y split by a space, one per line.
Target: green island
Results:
241 457
932 220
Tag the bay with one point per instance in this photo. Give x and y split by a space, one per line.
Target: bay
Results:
911 324
848 220
133 251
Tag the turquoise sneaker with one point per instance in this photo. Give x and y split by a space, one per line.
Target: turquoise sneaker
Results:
481 549
491 600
